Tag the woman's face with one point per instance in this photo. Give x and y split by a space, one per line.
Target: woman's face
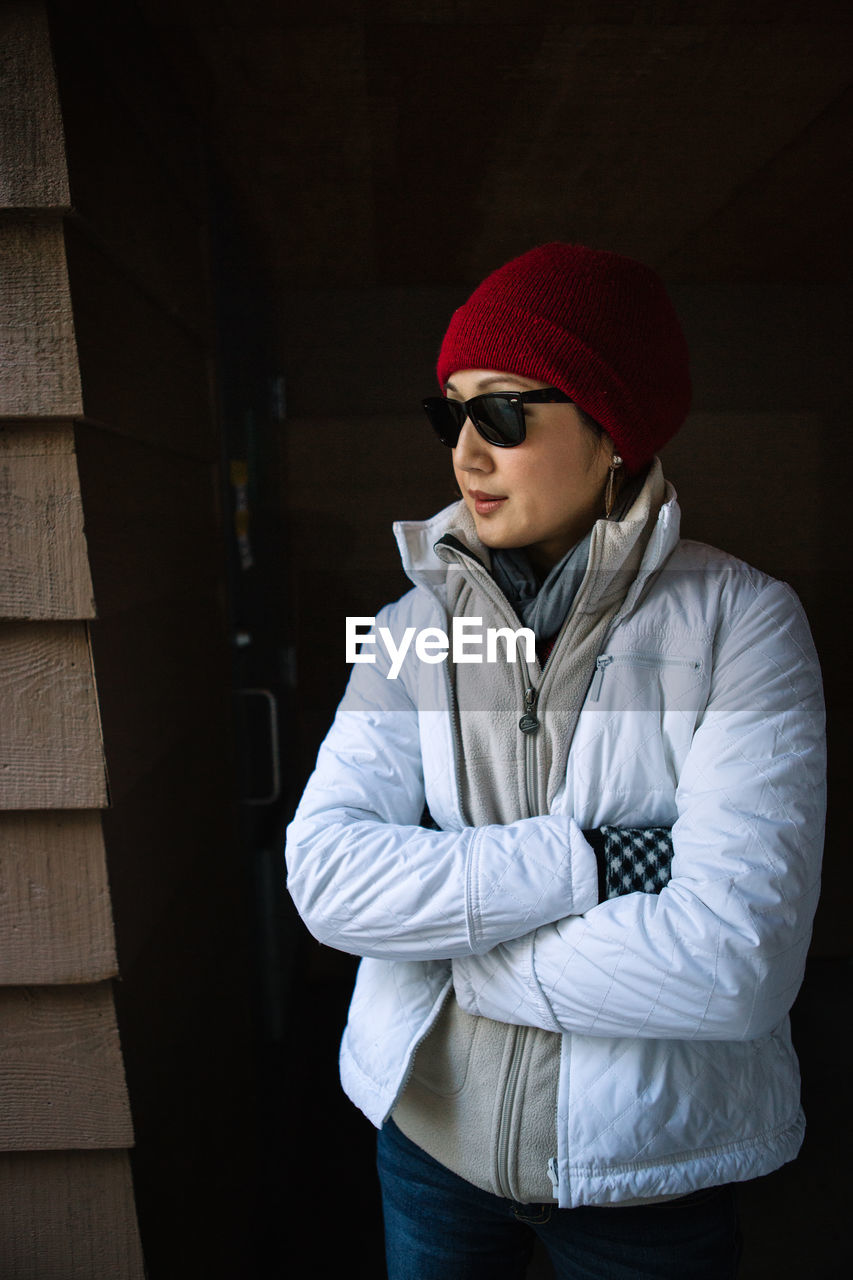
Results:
544 494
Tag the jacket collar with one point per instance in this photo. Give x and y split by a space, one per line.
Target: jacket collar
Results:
425 563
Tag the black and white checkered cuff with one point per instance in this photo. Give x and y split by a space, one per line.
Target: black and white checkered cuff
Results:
631 859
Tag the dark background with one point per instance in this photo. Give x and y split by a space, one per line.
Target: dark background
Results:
365 165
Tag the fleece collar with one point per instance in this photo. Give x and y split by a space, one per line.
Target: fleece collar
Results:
425 562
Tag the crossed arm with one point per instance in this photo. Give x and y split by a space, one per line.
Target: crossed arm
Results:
717 954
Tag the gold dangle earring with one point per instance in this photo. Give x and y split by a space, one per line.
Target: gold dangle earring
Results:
609 495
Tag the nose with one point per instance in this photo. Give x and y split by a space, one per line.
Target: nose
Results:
472 451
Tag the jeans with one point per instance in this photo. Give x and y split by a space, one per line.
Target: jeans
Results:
440 1227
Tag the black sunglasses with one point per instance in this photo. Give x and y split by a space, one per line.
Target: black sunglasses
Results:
497 415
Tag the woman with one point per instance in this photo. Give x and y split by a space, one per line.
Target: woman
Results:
582 878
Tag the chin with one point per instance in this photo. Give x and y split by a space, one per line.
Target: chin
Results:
496 543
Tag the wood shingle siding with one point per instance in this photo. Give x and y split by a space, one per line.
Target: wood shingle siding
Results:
61 1075
66 1198
33 172
64 1214
44 567
120 855
51 755
39 373
55 914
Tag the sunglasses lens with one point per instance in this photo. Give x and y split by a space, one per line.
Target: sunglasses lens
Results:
446 417
499 418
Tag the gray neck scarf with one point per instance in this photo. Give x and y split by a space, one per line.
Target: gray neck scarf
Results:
541 605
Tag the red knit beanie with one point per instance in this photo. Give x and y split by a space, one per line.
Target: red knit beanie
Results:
594 324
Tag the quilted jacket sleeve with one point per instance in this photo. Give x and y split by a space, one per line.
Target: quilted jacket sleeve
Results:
368 879
720 952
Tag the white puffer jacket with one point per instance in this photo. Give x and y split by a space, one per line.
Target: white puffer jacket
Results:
705 715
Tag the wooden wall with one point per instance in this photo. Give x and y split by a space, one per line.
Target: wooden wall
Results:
118 858
66 1204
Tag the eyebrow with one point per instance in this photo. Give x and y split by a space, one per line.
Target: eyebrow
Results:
485 382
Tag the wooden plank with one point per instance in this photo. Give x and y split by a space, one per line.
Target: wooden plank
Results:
61 1070
55 911
164 536
44 567
33 174
39 376
51 755
68 1215
144 374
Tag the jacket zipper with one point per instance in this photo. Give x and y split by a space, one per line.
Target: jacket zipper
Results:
528 724
605 660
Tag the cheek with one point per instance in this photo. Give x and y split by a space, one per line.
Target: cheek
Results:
552 479
574 472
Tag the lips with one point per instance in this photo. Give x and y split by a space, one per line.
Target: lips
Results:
484 503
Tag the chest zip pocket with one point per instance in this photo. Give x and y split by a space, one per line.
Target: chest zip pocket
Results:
606 660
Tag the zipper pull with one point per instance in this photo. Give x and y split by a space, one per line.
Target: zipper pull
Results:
554 1175
601 665
528 722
